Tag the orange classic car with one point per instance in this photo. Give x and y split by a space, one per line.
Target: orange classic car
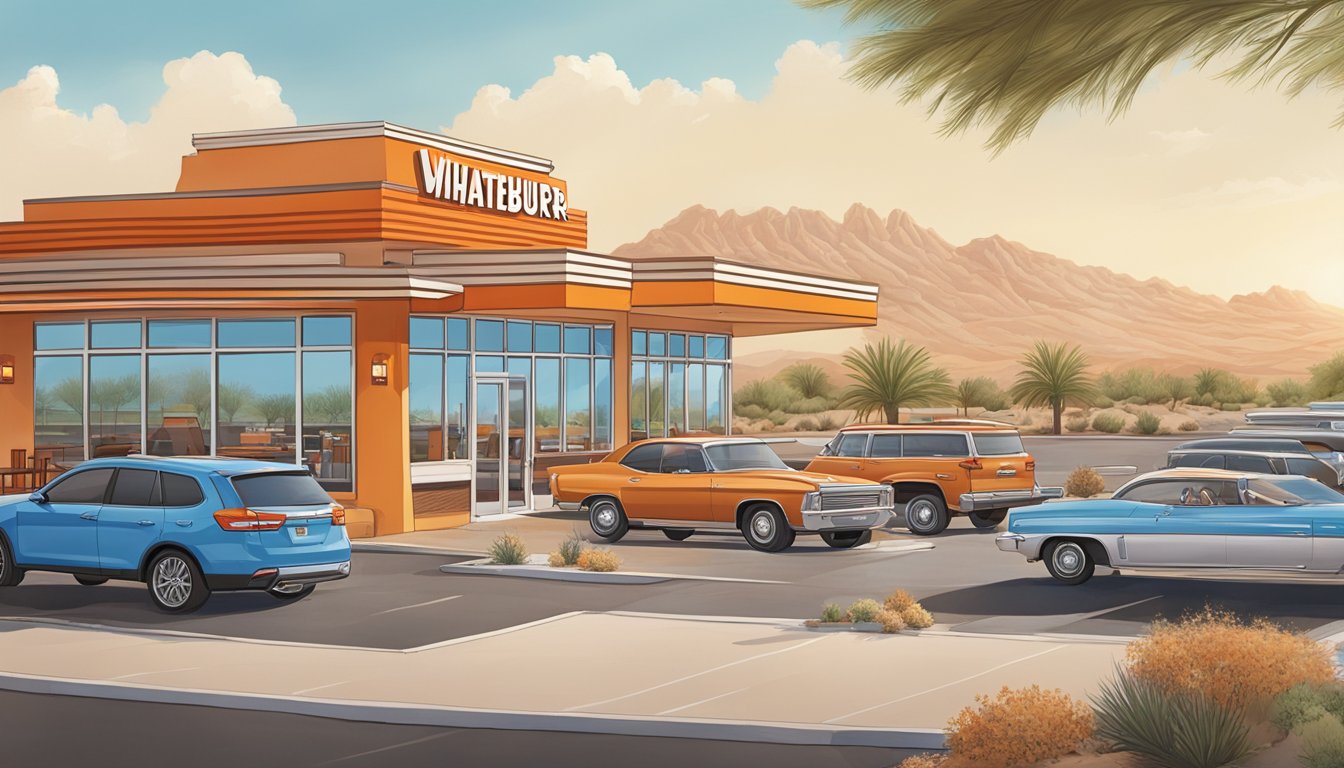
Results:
682 485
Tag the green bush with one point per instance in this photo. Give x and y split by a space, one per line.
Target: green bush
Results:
1286 392
1232 406
827 423
1137 400
865 609
778 418
1299 705
1205 399
808 379
1147 423
571 547
1322 743
508 550
1169 729
811 405
1077 422
1103 402
752 411
769 394
1108 422
832 613
1327 379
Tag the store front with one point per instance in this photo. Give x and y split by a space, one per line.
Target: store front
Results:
410 317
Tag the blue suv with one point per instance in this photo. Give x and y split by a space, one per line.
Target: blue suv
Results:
186 526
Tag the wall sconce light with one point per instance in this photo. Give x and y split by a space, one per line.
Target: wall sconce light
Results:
378 370
6 369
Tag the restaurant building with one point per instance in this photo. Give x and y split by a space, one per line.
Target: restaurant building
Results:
413 318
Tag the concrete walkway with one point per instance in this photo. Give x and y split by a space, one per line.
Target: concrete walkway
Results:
605 673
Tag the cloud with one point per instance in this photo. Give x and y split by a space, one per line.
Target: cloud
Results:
48 150
1147 193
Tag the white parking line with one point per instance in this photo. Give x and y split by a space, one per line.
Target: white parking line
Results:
702 701
388 748
317 688
945 685
697 674
153 672
418 605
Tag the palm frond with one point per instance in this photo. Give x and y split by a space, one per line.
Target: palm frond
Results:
889 377
1053 374
1005 63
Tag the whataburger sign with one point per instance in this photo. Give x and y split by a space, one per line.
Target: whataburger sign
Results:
447 179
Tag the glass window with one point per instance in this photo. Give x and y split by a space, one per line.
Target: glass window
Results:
645 458
936 445
58 405
639 400
328 416
602 402
547 337
602 342
117 334
180 490
885 447
1249 464
676 398
280 489
178 392
489 336
716 347
680 459
114 405
427 332
676 345
256 333
657 344
459 376
459 333
546 411
87 487
657 400
426 407
714 399
998 443
327 332
695 397
851 444
135 488
520 336
490 363
578 396
727 457
1292 490
179 334
639 343
1157 492
59 335
578 340
695 346
1307 467
255 406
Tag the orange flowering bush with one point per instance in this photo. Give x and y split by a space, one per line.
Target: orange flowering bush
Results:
899 600
603 560
1237 664
1018 727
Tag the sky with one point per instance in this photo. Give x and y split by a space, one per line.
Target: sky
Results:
649 107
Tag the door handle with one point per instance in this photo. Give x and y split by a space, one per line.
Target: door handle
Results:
856 466
144 522
943 476
89 516
634 479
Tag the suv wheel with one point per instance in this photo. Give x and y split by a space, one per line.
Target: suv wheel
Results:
176 584
1069 562
10 573
766 530
608 520
846 539
988 519
926 514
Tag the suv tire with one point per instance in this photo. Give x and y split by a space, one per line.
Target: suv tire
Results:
10 573
926 515
608 520
988 519
175 582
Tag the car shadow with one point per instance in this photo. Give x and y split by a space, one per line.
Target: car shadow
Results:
125 603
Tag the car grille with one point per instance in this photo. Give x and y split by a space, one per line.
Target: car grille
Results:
841 500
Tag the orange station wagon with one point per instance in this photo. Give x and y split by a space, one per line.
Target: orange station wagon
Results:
976 468
687 484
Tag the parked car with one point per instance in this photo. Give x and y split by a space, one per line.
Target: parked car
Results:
688 484
185 526
1320 416
979 469
1187 518
1272 457
1325 444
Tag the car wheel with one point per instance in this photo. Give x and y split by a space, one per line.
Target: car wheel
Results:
10 573
608 520
846 539
766 529
1069 562
91 581
678 534
990 519
289 597
176 584
926 515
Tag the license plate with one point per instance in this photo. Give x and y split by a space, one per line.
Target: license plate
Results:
302 530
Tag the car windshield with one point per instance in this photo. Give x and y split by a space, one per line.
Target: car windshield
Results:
280 489
998 444
730 457
1293 490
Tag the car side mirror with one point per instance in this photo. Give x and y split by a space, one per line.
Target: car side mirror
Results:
37 497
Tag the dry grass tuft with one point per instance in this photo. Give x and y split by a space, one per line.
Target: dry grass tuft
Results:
1018 727
600 560
1084 482
508 549
890 620
915 617
556 560
899 600
923 761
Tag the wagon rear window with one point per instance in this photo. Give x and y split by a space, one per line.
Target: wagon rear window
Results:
280 489
998 444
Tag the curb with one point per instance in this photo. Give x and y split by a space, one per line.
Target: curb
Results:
484 568
918 739
409 549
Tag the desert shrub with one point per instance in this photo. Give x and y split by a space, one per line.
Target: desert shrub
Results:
1262 399
1018 727
808 380
1235 390
601 560
1238 665
778 418
1077 422
1103 402
890 620
1322 743
752 411
1205 399
1175 388
571 548
1189 425
980 392
1287 392
898 601
827 423
1108 422
1147 423
806 424
832 613
1232 406
865 609
769 394
1137 400
915 617
556 560
1327 379
508 550
1140 386
811 405
1084 482
1297 706
1173 729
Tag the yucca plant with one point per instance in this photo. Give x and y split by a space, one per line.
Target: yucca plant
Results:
888 377
571 548
1169 729
508 550
808 378
1054 375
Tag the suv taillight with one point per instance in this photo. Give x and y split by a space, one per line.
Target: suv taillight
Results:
251 520
1031 465
971 464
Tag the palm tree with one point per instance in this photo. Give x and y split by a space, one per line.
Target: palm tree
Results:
890 377
1005 63
973 393
1053 375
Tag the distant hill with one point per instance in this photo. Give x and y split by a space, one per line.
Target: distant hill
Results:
978 306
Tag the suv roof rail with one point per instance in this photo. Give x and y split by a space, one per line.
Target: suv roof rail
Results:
974 423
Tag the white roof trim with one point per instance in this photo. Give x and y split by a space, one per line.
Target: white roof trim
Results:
758 277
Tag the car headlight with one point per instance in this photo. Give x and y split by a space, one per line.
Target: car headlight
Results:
811 501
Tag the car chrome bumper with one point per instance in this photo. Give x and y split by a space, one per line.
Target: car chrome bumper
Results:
1009 542
983 500
846 519
569 506
293 578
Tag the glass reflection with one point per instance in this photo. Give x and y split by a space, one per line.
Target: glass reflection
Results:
58 408
256 333
327 418
118 334
602 400
426 407
546 411
657 402
676 399
639 401
695 397
179 334
458 381
578 396
714 399
178 404
255 406
114 405
59 335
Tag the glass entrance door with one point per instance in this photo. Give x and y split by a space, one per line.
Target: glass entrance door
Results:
520 445
491 429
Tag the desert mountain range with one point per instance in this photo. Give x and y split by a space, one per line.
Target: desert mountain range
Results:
977 306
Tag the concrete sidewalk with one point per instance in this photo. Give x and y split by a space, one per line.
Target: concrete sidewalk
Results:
581 672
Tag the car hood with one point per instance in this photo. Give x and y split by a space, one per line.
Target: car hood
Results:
12 498
816 478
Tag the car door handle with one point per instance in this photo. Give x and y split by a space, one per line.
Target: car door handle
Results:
634 479
185 523
144 522
856 466
89 516
943 476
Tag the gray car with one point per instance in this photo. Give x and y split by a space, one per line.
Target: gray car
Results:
1270 457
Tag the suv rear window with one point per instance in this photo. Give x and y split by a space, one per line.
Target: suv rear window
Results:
280 489
935 445
998 444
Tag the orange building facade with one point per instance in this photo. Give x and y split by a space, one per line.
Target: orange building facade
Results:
413 318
